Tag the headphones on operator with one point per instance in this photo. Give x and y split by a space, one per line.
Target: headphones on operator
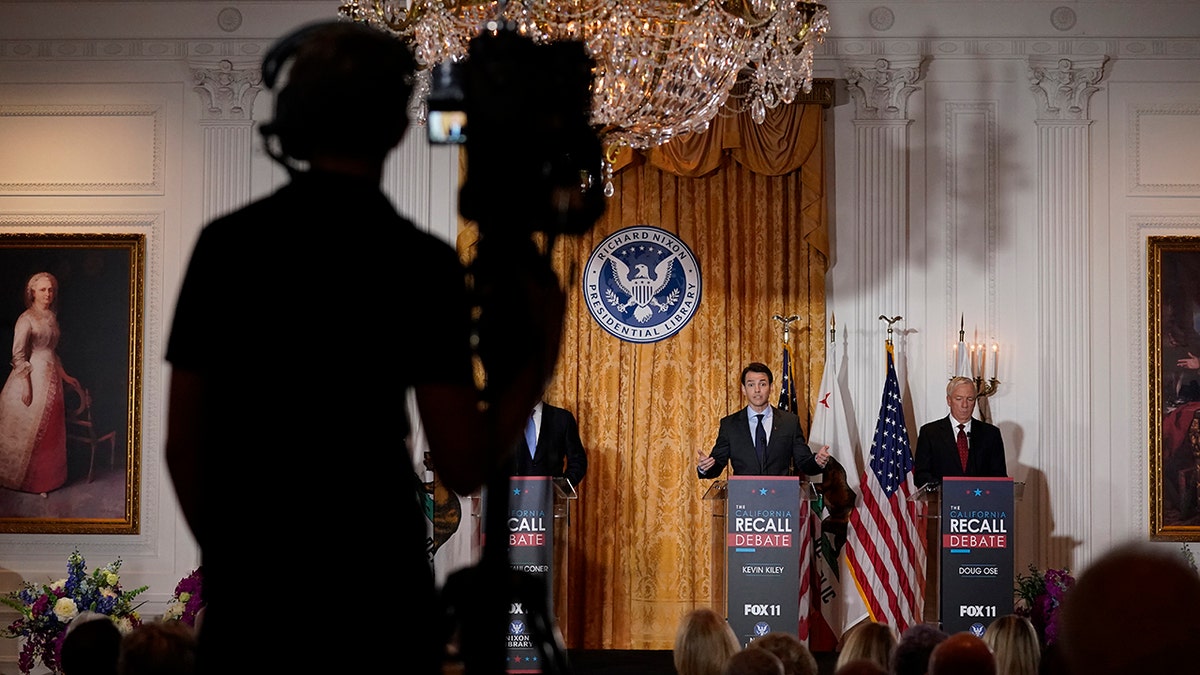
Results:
346 92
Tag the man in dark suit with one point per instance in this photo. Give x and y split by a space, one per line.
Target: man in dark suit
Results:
558 451
938 452
785 452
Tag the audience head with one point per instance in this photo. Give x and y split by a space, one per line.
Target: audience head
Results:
753 661
796 658
1052 662
1015 645
962 654
159 648
1132 610
860 667
91 646
869 640
911 655
703 643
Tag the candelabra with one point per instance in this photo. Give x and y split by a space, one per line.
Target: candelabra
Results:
972 362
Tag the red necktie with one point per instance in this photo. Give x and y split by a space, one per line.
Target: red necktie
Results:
962 448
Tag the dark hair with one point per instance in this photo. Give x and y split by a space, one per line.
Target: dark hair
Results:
91 647
347 91
796 657
756 367
911 655
159 648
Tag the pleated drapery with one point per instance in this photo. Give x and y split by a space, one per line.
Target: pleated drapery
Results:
749 201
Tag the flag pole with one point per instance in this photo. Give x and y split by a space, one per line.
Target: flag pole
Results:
890 321
787 323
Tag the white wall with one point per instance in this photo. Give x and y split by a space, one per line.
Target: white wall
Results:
972 242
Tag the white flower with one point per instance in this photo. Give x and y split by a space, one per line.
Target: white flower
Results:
174 611
65 610
58 585
123 624
111 578
108 593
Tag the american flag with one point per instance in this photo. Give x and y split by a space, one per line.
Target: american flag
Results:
885 546
787 401
787 388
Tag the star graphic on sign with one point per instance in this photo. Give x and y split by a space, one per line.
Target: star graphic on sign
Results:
978 492
762 491
516 491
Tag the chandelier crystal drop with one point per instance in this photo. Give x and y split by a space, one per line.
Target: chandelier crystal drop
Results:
663 67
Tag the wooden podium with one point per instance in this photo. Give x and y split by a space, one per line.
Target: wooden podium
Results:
758 523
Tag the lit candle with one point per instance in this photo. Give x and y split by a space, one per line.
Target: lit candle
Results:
982 360
995 358
974 367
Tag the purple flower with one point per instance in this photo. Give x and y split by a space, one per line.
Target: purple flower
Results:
189 597
43 630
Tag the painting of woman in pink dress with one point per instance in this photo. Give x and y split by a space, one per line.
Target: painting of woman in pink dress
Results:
33 437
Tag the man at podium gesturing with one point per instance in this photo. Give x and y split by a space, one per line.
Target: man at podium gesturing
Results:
959 444
760 439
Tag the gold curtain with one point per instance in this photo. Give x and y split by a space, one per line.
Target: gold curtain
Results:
749 201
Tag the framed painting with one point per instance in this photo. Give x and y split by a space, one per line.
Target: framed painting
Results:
1173 338
71 308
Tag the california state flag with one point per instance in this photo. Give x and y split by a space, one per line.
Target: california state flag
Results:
452 535
841 606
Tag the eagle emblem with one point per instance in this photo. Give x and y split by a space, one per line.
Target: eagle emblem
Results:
642 284
641 289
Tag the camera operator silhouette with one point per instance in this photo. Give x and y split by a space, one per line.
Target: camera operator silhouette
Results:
286 383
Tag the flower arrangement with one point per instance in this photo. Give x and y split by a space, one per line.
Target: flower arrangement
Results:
188 598
48 609
1040 595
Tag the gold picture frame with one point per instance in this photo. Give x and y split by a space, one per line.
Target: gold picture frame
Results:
88 420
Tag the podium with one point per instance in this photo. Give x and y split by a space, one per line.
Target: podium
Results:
757 526
538 522
969 525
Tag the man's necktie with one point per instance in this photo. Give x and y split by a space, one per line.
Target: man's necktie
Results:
760 441
962 447
531 436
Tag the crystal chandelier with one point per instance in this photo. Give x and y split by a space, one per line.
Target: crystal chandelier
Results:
663 67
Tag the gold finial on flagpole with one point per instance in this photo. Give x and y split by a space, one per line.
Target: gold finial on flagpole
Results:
890 321
787 323
832 327
961 323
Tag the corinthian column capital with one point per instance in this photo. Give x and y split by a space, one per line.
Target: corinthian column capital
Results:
881 88
1063 87
227 91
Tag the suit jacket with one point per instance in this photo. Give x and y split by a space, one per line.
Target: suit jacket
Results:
787 454
559 450
937 451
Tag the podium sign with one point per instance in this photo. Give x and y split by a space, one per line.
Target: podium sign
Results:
977 518
763 555
530 550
